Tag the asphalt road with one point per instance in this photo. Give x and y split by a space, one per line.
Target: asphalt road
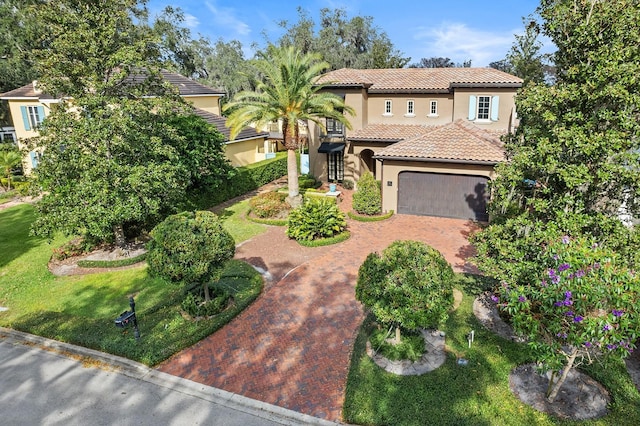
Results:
48 383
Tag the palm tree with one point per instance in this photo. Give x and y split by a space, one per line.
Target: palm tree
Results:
8 161
287 91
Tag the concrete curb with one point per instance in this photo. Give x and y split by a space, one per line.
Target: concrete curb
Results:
142 372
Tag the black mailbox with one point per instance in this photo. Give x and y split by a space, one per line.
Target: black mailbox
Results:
125 319
128 318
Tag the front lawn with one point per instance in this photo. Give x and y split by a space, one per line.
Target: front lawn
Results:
81 309
475 394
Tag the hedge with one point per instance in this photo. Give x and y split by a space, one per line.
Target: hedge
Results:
246 179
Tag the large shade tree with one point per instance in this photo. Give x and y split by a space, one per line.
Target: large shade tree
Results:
287 92
115 150
573 161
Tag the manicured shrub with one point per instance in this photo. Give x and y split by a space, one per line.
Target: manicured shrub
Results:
307 181
243 180
190 247
195 305
316 218
368 198
348 184
269 205
409 286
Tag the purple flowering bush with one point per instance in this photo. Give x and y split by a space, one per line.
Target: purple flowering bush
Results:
583 306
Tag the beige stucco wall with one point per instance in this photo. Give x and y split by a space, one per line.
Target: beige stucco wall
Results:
392 169
208 103
245 152
21 132
421 114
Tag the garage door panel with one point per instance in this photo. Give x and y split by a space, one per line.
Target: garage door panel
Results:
445 195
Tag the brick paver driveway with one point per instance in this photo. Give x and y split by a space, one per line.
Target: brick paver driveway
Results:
292 347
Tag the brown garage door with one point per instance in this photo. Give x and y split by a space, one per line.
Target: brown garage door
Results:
444 195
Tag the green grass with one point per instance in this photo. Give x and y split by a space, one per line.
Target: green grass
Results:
81 309
476 394
234 221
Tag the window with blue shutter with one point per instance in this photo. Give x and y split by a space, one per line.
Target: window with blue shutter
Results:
32 116
25 117
495 108
472 107
34 159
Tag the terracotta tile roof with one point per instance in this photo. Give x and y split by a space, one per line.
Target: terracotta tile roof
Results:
457 141
389 132
186 87
419 80
219 123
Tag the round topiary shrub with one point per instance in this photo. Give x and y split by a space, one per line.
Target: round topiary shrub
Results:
409 286
316 218
190 247
368 198
269 205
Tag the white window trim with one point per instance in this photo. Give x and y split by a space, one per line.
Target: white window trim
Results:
431 105
413 108
34 118
388 102
483 120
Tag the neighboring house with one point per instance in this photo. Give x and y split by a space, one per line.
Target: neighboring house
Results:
430 135
29 107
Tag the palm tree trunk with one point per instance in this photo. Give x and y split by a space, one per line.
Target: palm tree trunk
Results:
294 199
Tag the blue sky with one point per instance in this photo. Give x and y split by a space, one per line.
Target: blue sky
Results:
482 31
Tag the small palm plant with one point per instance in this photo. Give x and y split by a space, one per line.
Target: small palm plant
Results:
8 161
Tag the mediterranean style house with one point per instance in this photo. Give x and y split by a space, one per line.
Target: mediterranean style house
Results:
431 136
29 107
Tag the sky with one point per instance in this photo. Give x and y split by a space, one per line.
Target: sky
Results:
482 31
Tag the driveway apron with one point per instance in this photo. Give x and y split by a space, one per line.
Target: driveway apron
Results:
292 346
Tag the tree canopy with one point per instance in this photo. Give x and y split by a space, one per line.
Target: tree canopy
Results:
410 285
439 62
120 147
525 59
341 41
572 164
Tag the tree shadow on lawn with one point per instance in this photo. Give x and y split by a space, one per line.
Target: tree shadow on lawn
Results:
473 394
15 224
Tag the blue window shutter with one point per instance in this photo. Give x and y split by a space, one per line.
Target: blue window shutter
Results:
25 117
34 159
495 107
41 113
472 107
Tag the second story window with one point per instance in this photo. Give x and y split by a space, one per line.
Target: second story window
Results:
32 116
484 108
484 103
410 108
334 127
387 107
433 108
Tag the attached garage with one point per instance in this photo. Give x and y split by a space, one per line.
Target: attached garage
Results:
444 195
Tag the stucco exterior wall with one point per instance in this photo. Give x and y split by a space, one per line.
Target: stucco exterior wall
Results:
21 132
422 104
392 169
245 152
207 103
506 112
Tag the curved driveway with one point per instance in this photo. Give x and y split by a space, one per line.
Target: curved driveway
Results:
292 346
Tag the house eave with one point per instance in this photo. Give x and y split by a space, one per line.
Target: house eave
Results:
258 136
436 160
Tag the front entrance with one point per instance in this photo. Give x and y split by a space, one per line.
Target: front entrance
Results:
368 164
443 195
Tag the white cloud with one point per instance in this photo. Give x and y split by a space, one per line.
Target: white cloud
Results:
191 21
225 17
460 43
